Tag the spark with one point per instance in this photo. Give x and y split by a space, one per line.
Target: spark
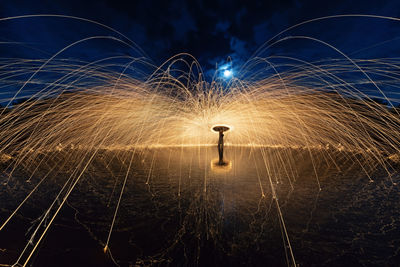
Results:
122 113
91 107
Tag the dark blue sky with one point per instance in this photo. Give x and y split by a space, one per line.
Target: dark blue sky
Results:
209 30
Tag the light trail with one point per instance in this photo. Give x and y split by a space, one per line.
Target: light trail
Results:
97 106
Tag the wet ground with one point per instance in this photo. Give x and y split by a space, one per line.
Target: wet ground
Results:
179 208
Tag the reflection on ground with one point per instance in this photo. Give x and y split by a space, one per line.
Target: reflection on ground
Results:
180 208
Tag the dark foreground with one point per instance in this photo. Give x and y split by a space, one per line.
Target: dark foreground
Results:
180 209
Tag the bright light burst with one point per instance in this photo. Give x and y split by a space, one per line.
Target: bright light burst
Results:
90 107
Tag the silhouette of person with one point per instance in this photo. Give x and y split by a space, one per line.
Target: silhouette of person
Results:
221 147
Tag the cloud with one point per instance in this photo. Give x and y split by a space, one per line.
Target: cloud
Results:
210 30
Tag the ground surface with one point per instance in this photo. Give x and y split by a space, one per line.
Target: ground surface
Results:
180 209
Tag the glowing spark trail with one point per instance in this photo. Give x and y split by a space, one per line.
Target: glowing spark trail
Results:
93 107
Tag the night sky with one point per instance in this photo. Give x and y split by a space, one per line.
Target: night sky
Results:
211 31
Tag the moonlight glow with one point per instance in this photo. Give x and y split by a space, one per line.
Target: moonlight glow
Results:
228 73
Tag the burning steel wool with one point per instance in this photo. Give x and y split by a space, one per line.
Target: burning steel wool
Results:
88 115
